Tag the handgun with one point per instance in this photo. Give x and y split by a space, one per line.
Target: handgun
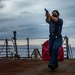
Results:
46 11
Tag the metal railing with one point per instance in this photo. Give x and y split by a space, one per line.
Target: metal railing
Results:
25 47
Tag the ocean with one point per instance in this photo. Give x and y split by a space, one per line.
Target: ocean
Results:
73 52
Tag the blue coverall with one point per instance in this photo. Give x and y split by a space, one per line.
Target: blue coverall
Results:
55 39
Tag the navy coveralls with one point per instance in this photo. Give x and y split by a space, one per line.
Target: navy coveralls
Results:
55 39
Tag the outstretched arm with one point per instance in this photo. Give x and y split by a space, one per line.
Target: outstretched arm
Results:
48 17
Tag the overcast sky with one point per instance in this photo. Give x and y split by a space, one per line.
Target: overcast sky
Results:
27 17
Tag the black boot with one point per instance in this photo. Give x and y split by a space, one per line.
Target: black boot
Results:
56 65
51 66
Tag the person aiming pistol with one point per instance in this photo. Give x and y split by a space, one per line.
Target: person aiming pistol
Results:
55 36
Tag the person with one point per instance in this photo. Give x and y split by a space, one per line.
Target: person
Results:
55 37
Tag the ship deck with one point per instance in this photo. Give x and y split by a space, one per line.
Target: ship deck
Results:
35 67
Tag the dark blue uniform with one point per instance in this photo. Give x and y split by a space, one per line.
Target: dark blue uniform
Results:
55 39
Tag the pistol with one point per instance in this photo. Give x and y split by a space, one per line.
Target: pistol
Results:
46 11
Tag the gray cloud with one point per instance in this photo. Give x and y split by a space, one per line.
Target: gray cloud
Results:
5 19
27 17
1 5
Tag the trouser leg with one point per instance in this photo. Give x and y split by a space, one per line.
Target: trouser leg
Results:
56 46
50 46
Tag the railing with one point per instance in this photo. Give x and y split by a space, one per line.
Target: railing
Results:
70 52
23 48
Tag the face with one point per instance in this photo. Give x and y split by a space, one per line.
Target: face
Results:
55 14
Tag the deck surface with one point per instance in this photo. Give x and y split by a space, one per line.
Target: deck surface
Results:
35 67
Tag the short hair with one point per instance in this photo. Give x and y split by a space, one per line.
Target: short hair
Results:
56 11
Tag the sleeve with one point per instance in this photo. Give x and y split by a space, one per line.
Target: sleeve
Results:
48 21
60 21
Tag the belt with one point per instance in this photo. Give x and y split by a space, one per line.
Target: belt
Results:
55 36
